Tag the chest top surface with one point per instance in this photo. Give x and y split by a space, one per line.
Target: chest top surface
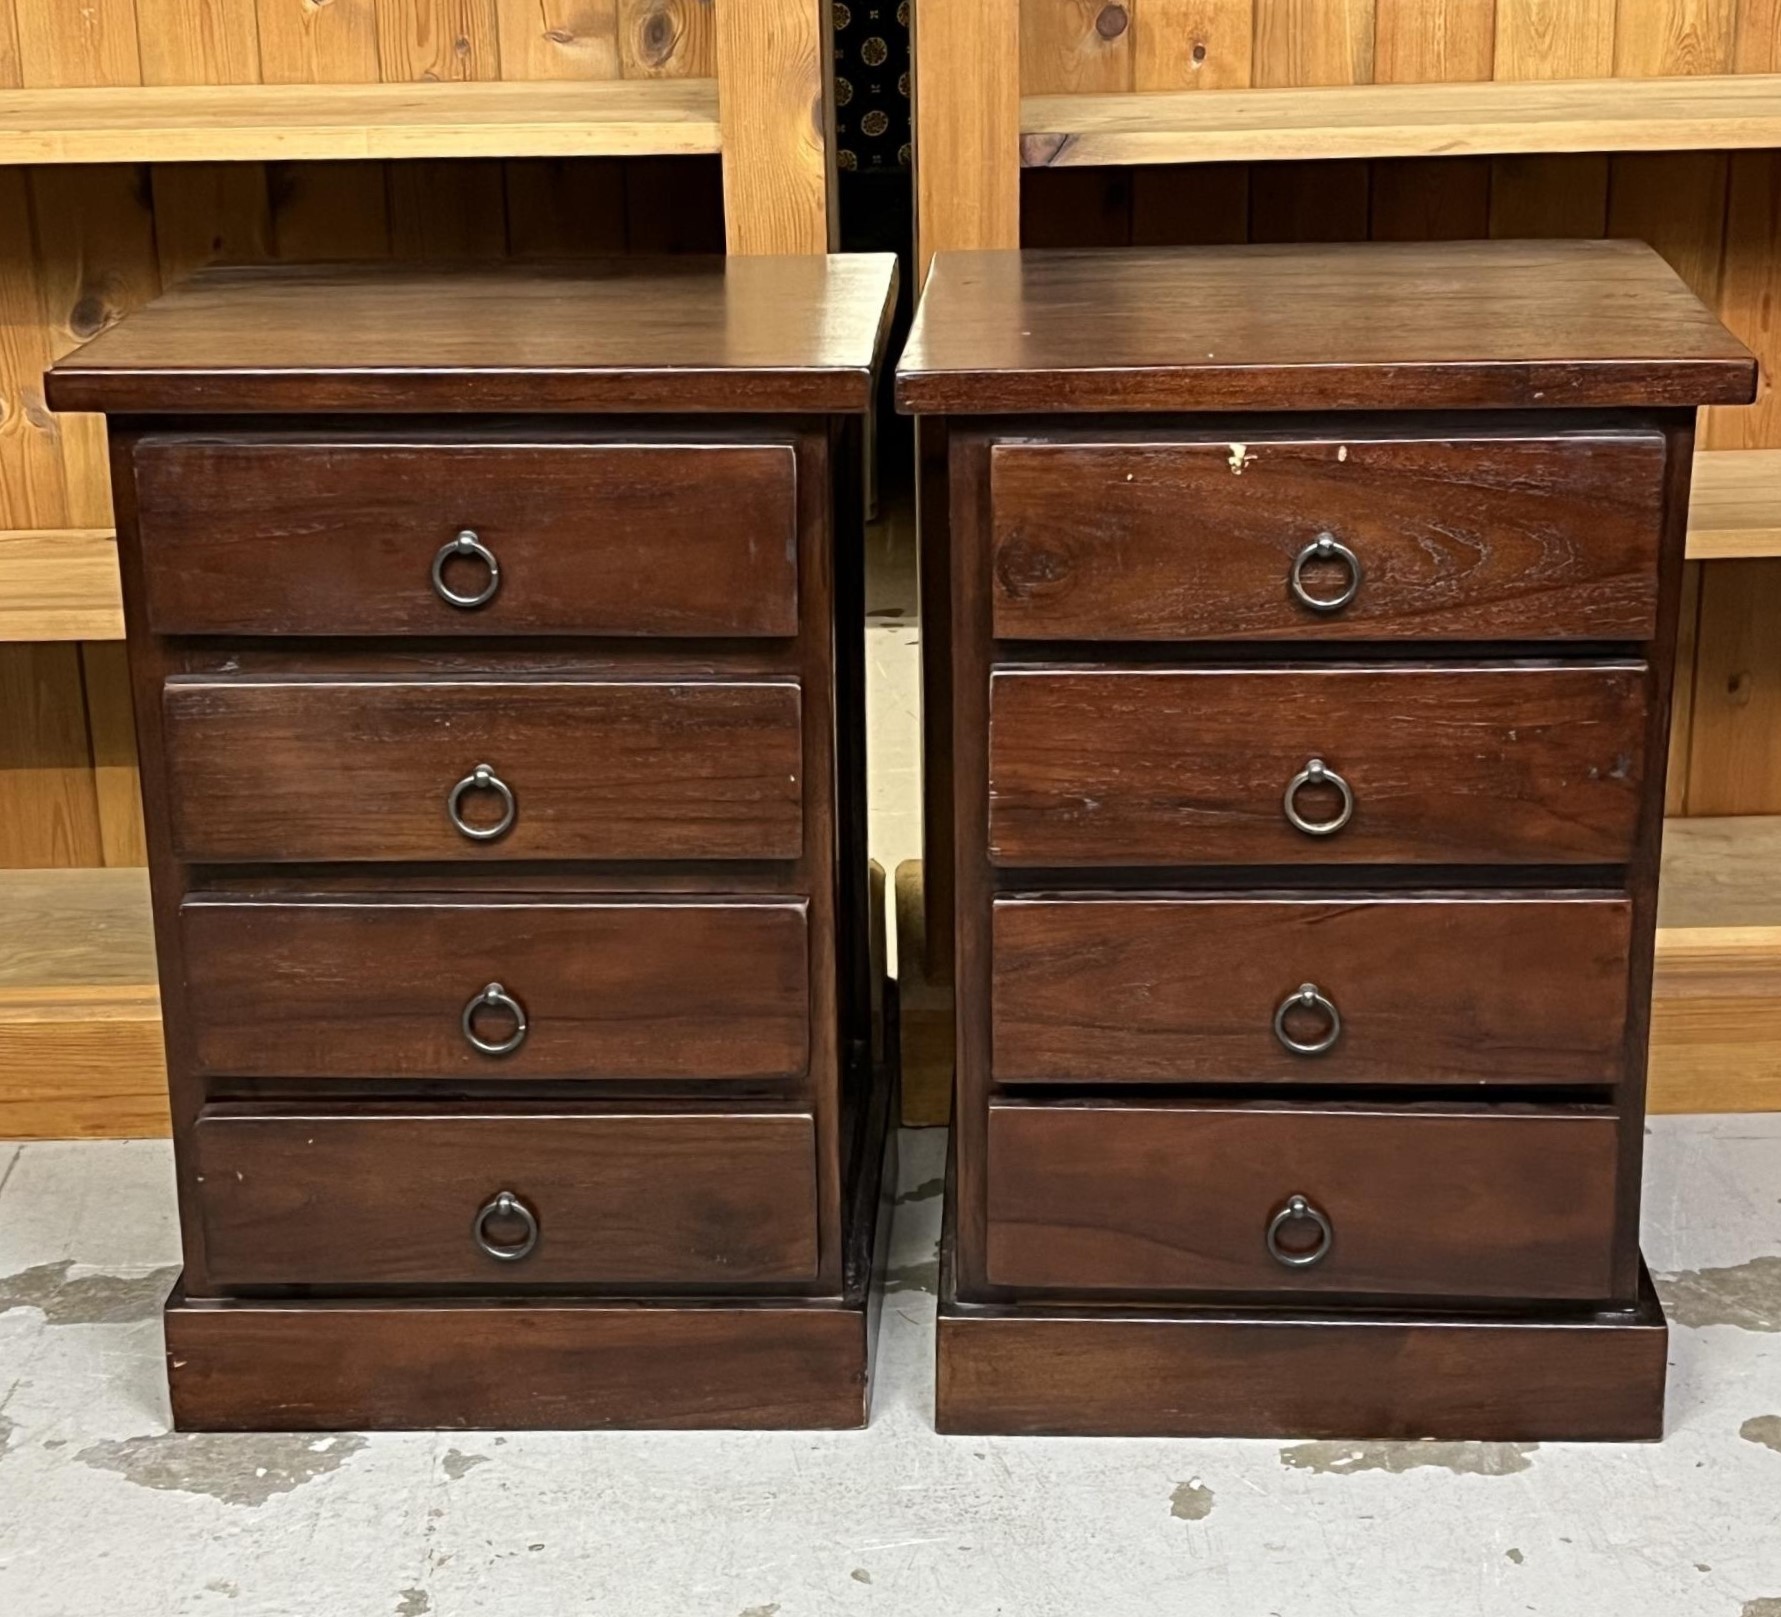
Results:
771 334
1349 326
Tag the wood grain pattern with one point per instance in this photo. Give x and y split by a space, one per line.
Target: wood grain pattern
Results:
338 768
1554 39
1496 989
777 106
1676 38
558 39
1493 1203
1192 44
437 40
294 536
1433 41
1301 1374
52 816
1161 537
1478 763
1229 327
371 1366
666 39
189 42
967 128
1735 738
695 334
1750 295
303 43
327 988
1313 42
92 43
111 726
61 584
1075 45
690 1199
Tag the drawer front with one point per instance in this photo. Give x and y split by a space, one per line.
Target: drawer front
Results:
368 1199
1489 1204
1480 764
286 538
1459 990
357 769
1484 538
397 988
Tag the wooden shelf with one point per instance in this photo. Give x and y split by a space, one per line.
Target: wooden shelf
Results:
249 122
60 584
1735 510
80 1013
1716 1000
1407 120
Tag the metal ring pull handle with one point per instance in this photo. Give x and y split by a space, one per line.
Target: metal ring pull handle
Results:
497 998
506 1205
1317 773
1309 998
1297 1210
466 544
482 779
1325 547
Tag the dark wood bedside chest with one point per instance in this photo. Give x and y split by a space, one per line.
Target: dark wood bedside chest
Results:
1298 626
497 646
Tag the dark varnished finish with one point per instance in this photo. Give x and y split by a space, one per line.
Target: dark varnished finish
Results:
362 1198
299 535
1485 988
672 662
687 333
1316 326
1479 536
1454 764
376 987
1300 1373
1160 1199
601 769
1110 829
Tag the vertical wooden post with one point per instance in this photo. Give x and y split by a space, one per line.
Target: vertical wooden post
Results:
967 126
776 105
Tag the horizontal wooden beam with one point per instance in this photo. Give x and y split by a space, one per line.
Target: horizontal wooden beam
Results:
1402 120
254 122
1734 512
60 584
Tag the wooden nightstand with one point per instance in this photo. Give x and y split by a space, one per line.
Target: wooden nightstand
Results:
1299 628
496 641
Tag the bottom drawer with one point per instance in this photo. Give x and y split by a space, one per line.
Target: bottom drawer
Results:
1490 1203
384 1199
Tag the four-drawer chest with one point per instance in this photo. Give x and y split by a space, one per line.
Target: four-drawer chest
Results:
1298 626
496 637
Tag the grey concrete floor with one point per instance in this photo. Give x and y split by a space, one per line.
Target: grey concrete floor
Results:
102 1511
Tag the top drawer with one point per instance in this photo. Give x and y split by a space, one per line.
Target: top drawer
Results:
1473 538
275 536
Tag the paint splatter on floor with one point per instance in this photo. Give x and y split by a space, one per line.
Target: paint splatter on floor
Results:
1191 1501
1462 1459
87 1299
239 1468
1763 1429
1744 1295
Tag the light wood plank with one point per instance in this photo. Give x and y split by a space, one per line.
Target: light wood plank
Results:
1750 299
1192 44
1072 46
967 127
1657 37
1404 120
80 1029
1554 39
60 584
11 70
197 41
1716 999
1756 41
230 123
77 42
776 102
442 41
318 41
1734 764
1313 42
1735 510
33 491
558 39
1433 41
96 244
111 727
49 816
666 39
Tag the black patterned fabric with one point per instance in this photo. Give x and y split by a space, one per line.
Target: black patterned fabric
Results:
872 84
